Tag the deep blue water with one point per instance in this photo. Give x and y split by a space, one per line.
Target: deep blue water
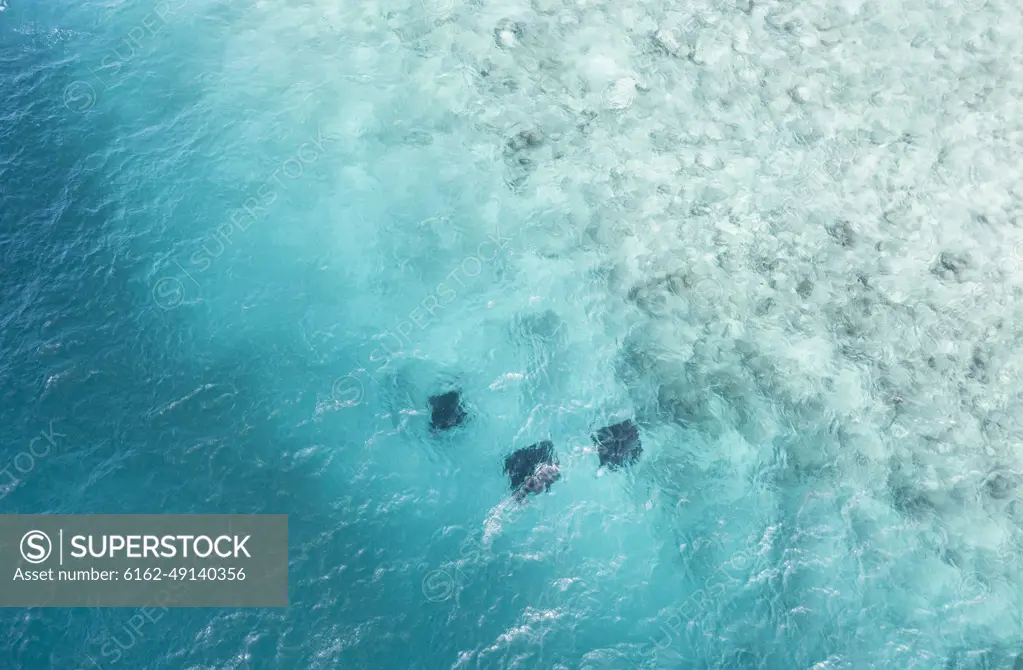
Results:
241 245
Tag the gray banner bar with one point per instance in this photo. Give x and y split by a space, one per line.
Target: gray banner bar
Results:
143 560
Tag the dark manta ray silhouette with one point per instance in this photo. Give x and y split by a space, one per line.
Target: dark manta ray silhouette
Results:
618 445
446 410
532 469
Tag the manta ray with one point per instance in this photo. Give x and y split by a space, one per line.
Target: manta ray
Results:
446 410
532 469
618 445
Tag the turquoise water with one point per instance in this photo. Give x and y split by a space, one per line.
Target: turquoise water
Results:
242 245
